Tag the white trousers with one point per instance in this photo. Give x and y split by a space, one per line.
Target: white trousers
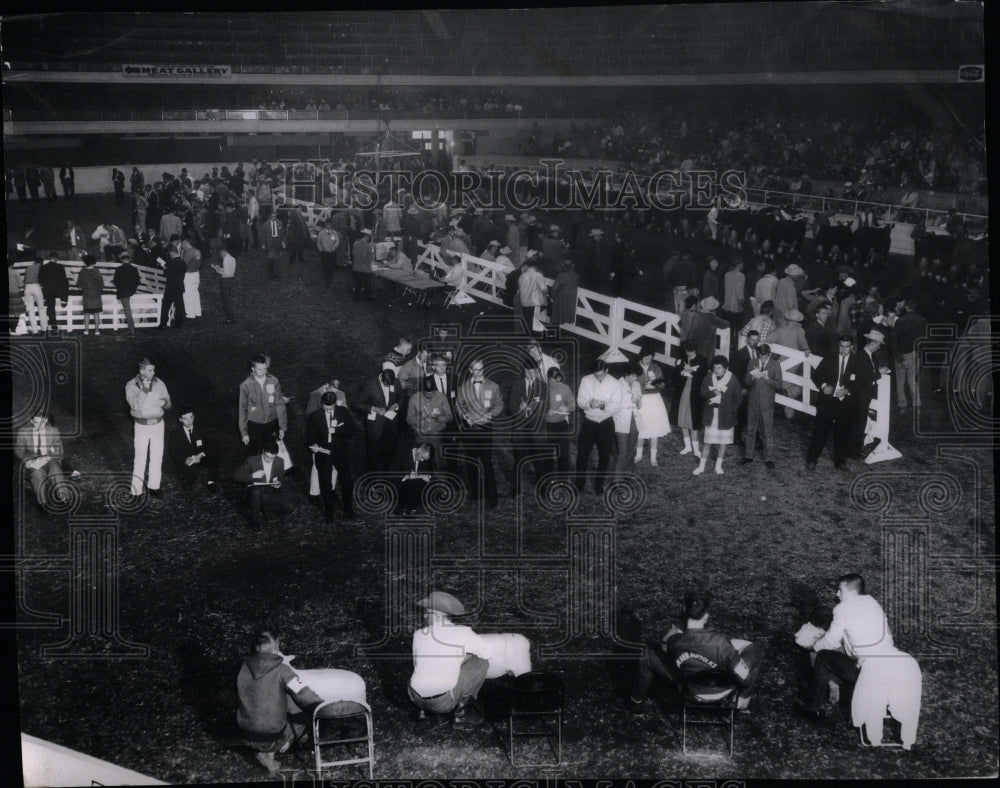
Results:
192 298
34 306
148 443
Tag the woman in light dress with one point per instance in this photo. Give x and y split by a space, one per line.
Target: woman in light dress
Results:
651 416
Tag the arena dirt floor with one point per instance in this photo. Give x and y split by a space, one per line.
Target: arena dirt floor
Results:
195 578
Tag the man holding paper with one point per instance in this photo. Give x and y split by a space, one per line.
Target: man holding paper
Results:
262 474
378 404
328 432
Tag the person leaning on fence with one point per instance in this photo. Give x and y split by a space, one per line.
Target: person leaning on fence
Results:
126 282
91 284
450 662
275 705
55 287
685 653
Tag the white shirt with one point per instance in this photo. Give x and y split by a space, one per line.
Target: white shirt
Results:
607 390
438 651
859 624
266 465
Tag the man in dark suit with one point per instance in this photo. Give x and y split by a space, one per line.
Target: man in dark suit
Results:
526 405
173 290
868 375
328 433
836 378
762 381
744 357
378 404
275 243
55 286
189 450
444 381
262 473
477 404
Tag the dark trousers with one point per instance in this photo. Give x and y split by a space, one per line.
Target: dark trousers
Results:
603 436
411 494
226 294
830 665
741 418
327 262
656 663
830 415
559 434
173 298
856 432
363 285
324 464
477 446
760 416
127 309
69 188
268 502
258 433
625 443
50 310
208 465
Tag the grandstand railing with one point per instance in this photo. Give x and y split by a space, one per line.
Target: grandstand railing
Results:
621 325
145 303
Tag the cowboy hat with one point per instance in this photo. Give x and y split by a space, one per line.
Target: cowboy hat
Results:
442 602
794 270
795 316
875 336
709 304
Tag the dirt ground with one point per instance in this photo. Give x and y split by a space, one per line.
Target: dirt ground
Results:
587 581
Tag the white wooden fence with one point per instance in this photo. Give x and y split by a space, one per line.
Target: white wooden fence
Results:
69 314
623 325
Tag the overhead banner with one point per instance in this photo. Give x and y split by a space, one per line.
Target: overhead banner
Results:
971 73
143 70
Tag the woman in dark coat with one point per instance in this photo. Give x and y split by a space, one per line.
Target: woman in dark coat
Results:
91 284
687 406
722 395
563 295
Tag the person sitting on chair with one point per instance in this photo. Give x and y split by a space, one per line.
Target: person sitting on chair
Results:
450 662
275 705
685 653
262 473
39 448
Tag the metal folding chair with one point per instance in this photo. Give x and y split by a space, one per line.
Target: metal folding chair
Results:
535 711
334 715
712 697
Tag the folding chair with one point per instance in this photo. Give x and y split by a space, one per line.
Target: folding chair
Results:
535 710
711 695
335 714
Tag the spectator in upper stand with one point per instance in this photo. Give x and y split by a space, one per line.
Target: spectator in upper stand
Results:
68 179
136 181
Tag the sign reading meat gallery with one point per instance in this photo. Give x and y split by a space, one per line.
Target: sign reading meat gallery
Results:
143 70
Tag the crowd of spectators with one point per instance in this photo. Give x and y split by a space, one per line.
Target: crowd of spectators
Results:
869 152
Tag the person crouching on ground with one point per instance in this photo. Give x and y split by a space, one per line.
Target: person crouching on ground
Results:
449 662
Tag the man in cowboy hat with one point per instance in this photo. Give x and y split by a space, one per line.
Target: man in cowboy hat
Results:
490 252
450 662
868 375
553 252
704 325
